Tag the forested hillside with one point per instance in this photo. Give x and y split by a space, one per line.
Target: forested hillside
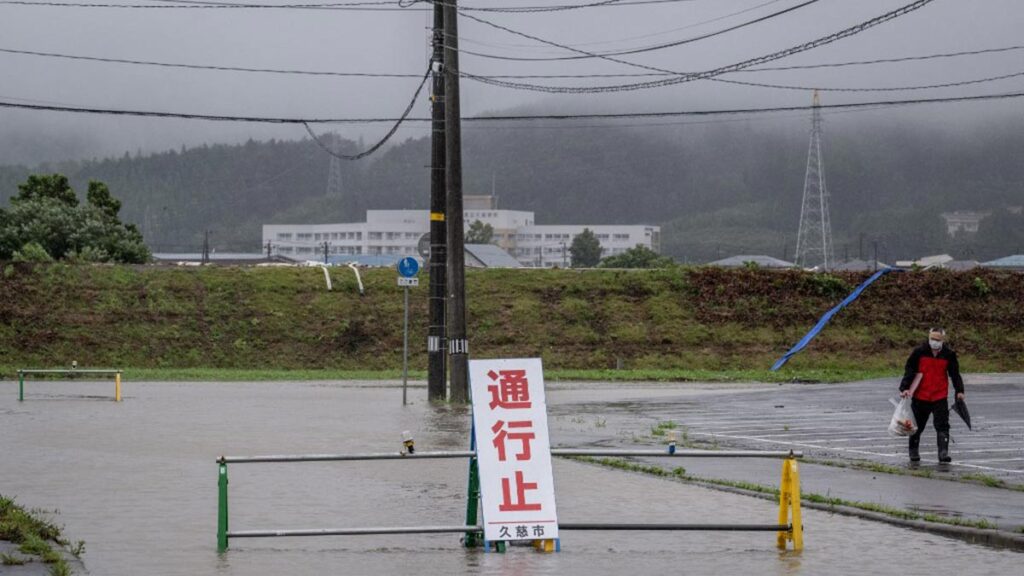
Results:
716 189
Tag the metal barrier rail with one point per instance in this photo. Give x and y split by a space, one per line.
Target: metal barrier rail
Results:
75 371
789 528
592 526
472 454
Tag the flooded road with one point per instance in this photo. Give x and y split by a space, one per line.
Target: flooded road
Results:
138 482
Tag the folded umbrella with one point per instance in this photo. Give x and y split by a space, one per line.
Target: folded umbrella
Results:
960 407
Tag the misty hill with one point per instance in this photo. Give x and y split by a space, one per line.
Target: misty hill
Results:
717 189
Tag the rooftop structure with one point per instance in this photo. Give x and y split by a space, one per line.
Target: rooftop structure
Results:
746 260
963 221
1015 262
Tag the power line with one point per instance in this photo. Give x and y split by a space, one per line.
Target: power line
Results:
369 6
882 89
520 118
502 76
584 55
462 38
409 3
852 30
205 66
364 6
383 140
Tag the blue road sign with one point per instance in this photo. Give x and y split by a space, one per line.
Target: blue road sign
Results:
408 267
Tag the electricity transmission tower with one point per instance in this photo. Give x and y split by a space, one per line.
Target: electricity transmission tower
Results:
814 237
334 188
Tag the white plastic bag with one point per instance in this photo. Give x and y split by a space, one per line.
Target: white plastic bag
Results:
903 422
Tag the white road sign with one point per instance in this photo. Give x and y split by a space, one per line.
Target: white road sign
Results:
513 452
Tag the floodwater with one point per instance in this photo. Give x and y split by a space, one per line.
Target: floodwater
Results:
138 482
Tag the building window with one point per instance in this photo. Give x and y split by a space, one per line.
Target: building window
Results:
375 235
284 236
621 236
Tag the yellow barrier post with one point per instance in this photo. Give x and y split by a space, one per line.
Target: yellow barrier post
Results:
544 545
789 506
117 387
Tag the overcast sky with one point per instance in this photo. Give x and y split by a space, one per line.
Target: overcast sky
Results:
396 41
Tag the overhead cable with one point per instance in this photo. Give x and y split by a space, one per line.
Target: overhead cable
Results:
463 38
690 77
364 6
383 140
880 89
207 66
519 76
520 118
625 52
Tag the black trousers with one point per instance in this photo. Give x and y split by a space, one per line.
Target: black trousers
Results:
939 409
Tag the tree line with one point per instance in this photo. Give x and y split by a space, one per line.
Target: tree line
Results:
716 190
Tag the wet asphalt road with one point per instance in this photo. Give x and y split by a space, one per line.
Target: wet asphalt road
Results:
841 423
849 421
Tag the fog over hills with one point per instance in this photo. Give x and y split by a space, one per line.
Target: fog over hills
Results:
718 185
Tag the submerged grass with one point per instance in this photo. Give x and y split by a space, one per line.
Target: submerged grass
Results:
831 501
34 536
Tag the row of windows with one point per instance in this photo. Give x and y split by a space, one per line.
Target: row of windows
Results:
319 237
339 236
567 236
527 252
308 236
309 250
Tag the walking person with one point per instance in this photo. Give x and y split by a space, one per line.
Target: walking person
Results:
936 365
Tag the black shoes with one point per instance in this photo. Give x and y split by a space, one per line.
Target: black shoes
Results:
915 454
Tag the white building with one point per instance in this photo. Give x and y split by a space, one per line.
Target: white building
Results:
397 233
963 221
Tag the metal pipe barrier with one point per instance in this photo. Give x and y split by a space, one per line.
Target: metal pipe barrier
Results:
73 371
789 527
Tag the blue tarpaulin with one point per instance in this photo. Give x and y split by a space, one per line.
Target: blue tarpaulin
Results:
828 316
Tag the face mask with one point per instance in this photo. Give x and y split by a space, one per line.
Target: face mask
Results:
935 344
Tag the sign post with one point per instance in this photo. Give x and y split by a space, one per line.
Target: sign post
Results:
517 490
407 269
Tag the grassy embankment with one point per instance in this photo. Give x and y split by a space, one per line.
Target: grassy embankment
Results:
37 539
675 324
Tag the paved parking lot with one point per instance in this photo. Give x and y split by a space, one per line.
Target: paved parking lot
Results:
850 420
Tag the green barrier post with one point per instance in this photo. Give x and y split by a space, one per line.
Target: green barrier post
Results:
222 507
471 503
21 386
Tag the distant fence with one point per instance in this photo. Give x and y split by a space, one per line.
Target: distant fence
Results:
74 372
789 527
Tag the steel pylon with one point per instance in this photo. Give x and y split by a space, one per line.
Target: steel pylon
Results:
814 237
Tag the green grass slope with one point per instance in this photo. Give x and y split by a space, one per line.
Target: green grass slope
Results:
658 321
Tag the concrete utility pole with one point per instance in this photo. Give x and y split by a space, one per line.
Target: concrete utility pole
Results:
206 247
268 249
436 355
458 343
